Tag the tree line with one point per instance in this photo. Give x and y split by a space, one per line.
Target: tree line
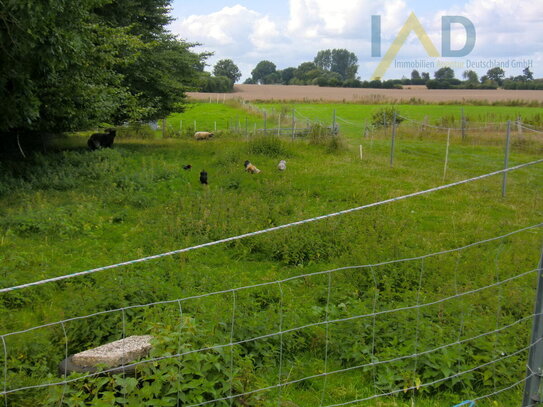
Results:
494 78
339 67
331 67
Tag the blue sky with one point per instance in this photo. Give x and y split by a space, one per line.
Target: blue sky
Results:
289 32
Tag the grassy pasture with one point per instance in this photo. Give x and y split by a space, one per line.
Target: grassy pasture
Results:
73 210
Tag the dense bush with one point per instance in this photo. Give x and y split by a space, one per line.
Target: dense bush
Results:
215 84
270 146
384 117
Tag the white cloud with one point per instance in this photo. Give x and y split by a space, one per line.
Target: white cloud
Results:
236 33
313 19
232 30
265 34
504 28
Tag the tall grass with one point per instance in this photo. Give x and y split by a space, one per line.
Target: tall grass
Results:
73 210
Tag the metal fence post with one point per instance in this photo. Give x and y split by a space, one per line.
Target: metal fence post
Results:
534 370
393 139
334 123
506 159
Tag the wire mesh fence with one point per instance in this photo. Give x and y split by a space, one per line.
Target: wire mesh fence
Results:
441 321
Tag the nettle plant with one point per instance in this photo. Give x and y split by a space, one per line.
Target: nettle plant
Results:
194 377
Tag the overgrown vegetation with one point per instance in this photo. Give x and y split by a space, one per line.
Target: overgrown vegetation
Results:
73 65
70 210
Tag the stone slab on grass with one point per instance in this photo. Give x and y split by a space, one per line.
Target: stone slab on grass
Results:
116 353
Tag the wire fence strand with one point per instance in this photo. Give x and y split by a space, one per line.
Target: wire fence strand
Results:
275 334
285 280
272 229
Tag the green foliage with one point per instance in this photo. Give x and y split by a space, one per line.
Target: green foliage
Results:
339 61
323 60
287 75
496 74
192 378
386 116
85 62
215 84
270 146
523 84
471 76
262 70
226 67
319 133
157 79
73 210
344 63
444 74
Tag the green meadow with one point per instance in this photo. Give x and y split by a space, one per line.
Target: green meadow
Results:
70 210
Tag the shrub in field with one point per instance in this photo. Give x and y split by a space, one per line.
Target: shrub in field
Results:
385 116
319 133
270 146
136 130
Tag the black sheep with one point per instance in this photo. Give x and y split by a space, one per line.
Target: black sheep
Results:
99 140
203 177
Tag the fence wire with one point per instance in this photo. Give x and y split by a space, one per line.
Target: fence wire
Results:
272 229
281 383
281 331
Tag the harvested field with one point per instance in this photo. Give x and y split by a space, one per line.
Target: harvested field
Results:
418 93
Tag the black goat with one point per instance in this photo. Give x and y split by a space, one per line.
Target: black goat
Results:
102 140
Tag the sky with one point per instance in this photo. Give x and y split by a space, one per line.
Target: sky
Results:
289 32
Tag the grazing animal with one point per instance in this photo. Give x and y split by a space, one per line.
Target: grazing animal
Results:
187 167
203 177
251 168
99 140
282 166
203 135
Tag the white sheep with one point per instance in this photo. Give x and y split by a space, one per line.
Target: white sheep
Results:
282 166
203 135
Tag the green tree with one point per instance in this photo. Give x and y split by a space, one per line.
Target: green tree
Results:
496 74
323 60
344 63
471 76
162 70
49 43
307 71
215 84
287 74
529 75
158 78
262 69
226 67
425 76
84 62
270 79
444 74
415 75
